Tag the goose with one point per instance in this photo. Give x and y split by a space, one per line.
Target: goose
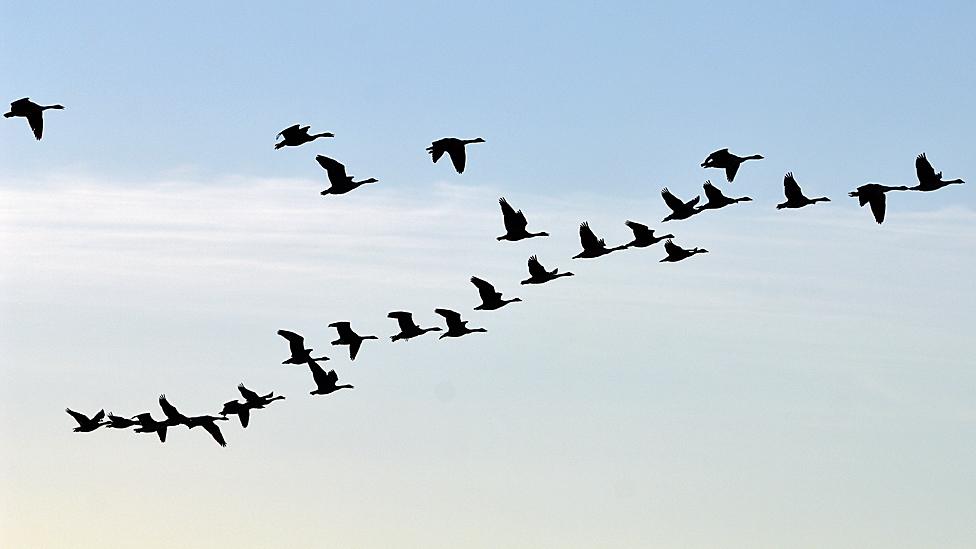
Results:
515 223
455 326
119 422
296 135
33 112
643 235
794 196
349 337
718 200
241 409
490 299
873 193
86 424
592 246
296 345
340 182
408 328
679 208
723 159
677 253
254 400
539 275
149 425
454 147
173 416
928 180
325 383
209 424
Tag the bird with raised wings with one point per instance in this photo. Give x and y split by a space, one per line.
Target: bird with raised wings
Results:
348 337
539 275
643 235
679 208
455 326
325 383
490 299
296 135
515 223
173 416
296 345
716 199
794 196
33 112
86 424
928 180
339 181
454 147
408 328
727 161
592 246
677 253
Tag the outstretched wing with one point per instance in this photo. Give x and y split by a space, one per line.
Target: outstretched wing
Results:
731 170
344 330
289 131
453 318
792 189
588 239
404 319
319 376
296 343
671 248
878 206
214 431
712 193
485 289
457 157
334 169
639 229
436 149
672 201
82 419
36 121
248 394
536 269
514 221
99 416
923 169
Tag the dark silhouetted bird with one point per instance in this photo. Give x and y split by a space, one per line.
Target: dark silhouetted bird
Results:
255 400
727 161
643 236
119 422
677 253
455 326
325 383
539 275
515 223
454 147
874 194
718 200
241 409
679 208
794 196
592 246
296 135
33 112
86 424
296 344
349 337
209 424
173 416
341 183
408 328
149 425
490 299
928 180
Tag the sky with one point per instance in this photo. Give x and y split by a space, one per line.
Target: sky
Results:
807 383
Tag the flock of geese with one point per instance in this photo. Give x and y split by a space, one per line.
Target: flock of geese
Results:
516 229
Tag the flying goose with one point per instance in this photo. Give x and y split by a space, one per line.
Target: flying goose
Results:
296 135
408 328
454 147
794 196
718 200
296 345
325 383
928 180
677 253
209 424
455 326
874 194
86 424
349 337
341 183
149 425
490 299
723 159
539 275
592 246
643 235
515 223
33 112
679 208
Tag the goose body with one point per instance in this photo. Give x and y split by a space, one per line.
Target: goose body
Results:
677 253
296 135
727 161
539 275
33 112
794 196
454 147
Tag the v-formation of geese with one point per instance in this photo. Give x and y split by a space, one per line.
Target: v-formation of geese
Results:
516 229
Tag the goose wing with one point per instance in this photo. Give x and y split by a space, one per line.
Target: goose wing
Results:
731 170
671 248
924 170
319 376
453 318
334 169
289 131
536 269
405 320
248 394
672 201
99 416
36 121
82 419
344 330
712 193
354 346
211 427
437 148
457 157
514 220
792 189
485 289
639 229
22 103
877 202
588 239
296 343
170 410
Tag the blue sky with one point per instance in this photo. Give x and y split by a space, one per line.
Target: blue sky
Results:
808 383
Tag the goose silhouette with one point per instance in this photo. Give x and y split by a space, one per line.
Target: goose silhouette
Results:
209 425
119 422
727 161
336 172
325 383
348 337
455 326
173 416
408 328
677 253
679 208
794 196
592 246
928 180
241 409
874 194
454 147
718 200
515 223
33 112
86 424
296 135
539 275
296 345
643 235
490 299
149 425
